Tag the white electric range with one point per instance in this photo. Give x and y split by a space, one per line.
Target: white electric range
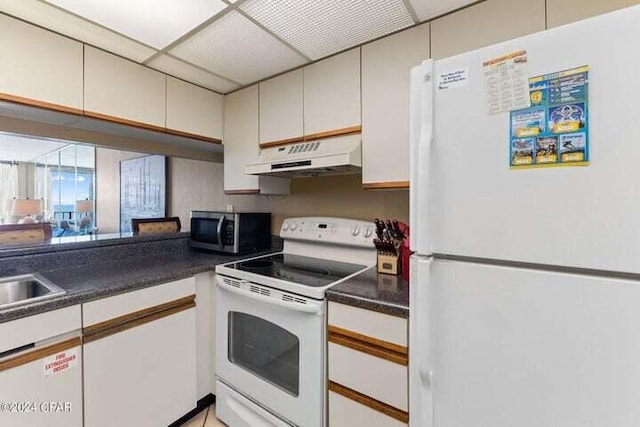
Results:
270 322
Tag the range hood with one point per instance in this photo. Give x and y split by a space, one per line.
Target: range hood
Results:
331 156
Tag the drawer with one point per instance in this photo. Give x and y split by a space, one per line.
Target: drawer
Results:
379 326
378 378
344 412
119 305
32 329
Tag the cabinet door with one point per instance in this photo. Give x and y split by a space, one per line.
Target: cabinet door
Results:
386 64
39 65
332 93
144 376
344 412
39 395
240 140
193 110
241 146
281 106
121 89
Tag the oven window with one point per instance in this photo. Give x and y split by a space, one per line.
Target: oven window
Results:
265 349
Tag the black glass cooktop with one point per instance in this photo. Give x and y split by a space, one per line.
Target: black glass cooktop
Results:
304 270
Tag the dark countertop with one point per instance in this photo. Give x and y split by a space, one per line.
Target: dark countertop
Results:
372 291
101 279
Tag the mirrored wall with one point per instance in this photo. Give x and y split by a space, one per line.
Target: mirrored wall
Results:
48 180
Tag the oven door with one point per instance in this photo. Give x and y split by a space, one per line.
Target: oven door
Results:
270 347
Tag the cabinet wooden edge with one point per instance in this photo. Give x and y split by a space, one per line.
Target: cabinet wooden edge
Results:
240 192
372 346
193 136
336 132
40 104
369 402
282 142
390 185
137 318
39 353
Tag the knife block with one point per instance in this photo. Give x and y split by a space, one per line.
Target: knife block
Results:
389 264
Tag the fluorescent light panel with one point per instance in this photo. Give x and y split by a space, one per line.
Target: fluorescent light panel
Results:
57 20
236 48
156 23
318 28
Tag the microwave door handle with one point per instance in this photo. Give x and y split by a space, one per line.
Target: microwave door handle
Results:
219 232
310 308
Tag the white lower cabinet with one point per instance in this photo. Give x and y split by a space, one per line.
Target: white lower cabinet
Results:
345 412
41 370
367 368
140 367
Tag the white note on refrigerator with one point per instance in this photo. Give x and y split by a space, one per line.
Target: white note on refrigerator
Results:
507 82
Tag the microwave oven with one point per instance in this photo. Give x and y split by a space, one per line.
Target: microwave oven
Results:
230 232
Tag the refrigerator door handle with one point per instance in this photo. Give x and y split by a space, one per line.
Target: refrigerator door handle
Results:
421 404
420 139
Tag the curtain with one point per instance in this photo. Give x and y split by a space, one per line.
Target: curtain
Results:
8 189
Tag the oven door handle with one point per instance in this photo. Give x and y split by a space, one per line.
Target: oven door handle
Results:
310 308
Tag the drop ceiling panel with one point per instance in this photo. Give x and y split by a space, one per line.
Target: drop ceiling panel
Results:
177 68
57 20
318 28
427 9
156 23
236 48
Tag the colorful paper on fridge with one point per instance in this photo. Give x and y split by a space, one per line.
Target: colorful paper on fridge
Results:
554 131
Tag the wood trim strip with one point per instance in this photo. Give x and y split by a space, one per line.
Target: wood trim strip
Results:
193 136
369 402
121 121
386 185
39 353
40 104
336 132
237 192
137 318
360 346
282 142
396 348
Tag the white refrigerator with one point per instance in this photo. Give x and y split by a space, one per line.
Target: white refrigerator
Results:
525 283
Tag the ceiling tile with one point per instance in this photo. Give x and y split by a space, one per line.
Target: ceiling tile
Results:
50 17
426 9
236 48
177 68
318 28
156 23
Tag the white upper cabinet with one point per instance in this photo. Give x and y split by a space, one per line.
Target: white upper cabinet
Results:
121 89
241 146
386 65
332 93
39 65
194 110
281 108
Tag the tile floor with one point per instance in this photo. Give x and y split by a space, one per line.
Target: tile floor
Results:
206 418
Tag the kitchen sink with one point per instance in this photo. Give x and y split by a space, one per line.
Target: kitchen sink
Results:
26 288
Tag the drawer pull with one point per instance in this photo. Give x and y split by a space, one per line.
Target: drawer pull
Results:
374 347
369 402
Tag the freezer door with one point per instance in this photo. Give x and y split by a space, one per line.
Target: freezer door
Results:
420 390
527 348
577 216
420 138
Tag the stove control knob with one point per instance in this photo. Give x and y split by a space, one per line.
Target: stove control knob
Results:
367 232
293 226
355 230
285 226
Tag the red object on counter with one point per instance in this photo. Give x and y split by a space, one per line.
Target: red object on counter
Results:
406 252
